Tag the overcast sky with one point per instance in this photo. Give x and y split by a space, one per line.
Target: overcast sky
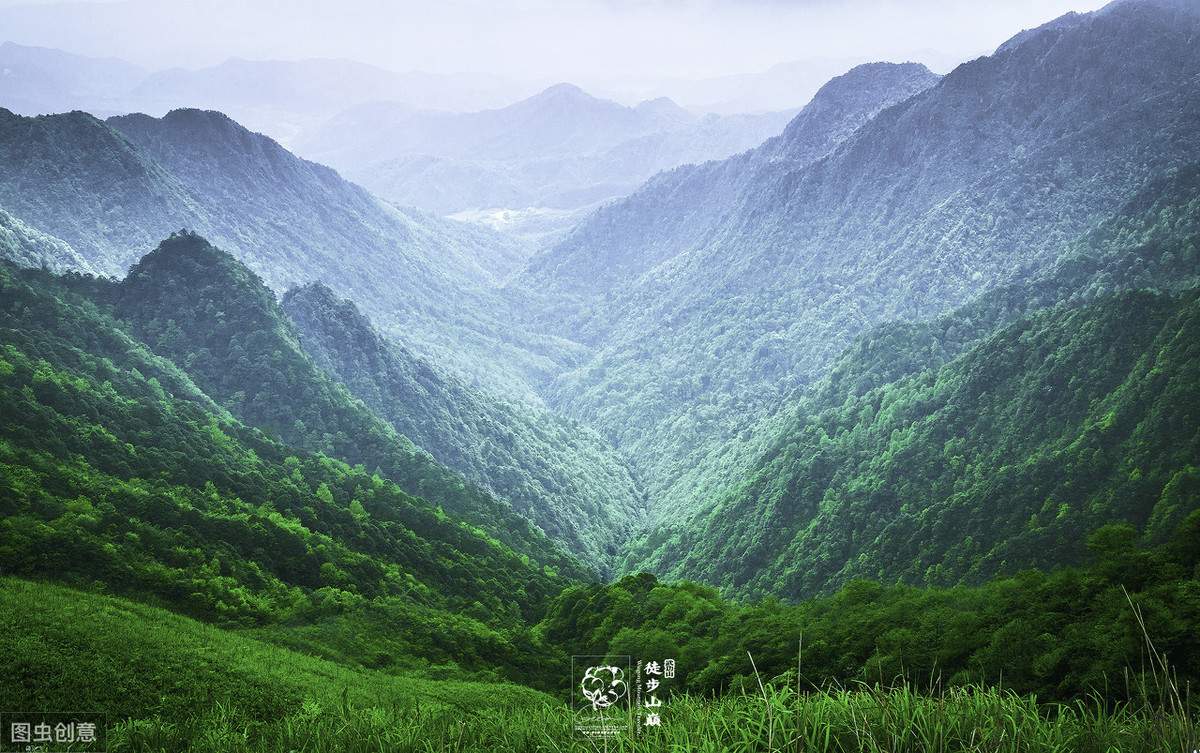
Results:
581 40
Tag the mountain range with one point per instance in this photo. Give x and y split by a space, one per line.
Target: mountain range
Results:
281 98
930 329
561 148
416 139
113 189
701 328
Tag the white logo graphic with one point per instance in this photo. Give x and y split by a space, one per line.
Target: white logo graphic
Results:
603 686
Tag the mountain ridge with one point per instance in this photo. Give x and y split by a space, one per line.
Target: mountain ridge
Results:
558 474
931 202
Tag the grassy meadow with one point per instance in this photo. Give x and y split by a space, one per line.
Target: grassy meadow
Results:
168 683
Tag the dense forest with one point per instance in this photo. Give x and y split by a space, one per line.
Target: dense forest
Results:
122 474
563 477
1060 635
1020 422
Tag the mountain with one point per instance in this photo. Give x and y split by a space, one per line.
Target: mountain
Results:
287 98
283 98
119 473
679 208
40 81
562 120
204 310
999 461
984 441
561 148
113 189
935 200
557 473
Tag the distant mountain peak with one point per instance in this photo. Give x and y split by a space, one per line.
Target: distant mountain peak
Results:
563 89
203 127
186 260
194 114
663 107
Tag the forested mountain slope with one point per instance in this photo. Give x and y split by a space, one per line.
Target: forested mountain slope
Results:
207 312
929 204
1000 460
258 187
678 209
75 178
1061 635
117 470
561 475
113 190
1151 245
27 247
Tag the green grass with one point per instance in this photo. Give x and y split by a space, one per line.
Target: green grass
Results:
66 650
846 721
170 684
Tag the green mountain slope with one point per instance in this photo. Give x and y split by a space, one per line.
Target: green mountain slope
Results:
207 312
113 189
1001 459
1150 244
72 177
1065 634
557 473
117 471
74 650
959 189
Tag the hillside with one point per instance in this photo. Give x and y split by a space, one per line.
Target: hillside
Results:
26 247
1059 634
557 473
680 208
934 201
998 461
204 310
162 494
134 663
114 190
232 693
1148 246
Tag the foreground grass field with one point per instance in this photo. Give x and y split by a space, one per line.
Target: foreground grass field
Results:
68 650
168 683
866 721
